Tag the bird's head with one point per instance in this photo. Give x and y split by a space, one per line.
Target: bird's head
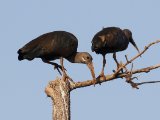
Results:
128 34
84 58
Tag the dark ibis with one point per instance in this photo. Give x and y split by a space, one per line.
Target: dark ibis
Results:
111 40
56 45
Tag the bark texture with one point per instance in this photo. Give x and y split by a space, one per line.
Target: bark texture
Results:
59 91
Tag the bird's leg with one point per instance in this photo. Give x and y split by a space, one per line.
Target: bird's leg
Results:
56 66
65 76
115 59
118 64
102 71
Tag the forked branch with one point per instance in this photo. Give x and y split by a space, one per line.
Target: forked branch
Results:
117 73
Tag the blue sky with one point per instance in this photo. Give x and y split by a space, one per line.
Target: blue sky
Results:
23 83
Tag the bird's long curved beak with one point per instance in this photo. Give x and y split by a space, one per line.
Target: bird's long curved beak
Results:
91 67
134 44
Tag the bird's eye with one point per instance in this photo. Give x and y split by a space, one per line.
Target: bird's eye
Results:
87 57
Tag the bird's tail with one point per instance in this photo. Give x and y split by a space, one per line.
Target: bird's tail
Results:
21 54
134 44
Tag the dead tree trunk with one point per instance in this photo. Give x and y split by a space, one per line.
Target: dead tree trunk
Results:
59 91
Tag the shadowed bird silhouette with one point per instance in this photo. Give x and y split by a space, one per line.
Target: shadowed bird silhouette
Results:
56 45
111 40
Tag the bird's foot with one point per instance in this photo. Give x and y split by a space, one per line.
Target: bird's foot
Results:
101 76
94 82
66 77
119 65
58 67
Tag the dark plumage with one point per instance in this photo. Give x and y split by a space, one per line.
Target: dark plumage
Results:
111 40
56 45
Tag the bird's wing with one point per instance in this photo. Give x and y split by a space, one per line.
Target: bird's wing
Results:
36 48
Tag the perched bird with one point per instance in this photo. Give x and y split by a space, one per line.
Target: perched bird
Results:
111 40
56 45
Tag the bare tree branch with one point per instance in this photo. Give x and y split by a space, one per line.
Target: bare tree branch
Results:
113 77
121 75
147 69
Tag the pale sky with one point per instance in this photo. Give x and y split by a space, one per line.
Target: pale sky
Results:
23 83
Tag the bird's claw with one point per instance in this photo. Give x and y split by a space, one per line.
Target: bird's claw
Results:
119 65
58 67
101 76
66 77
94 82
58 70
